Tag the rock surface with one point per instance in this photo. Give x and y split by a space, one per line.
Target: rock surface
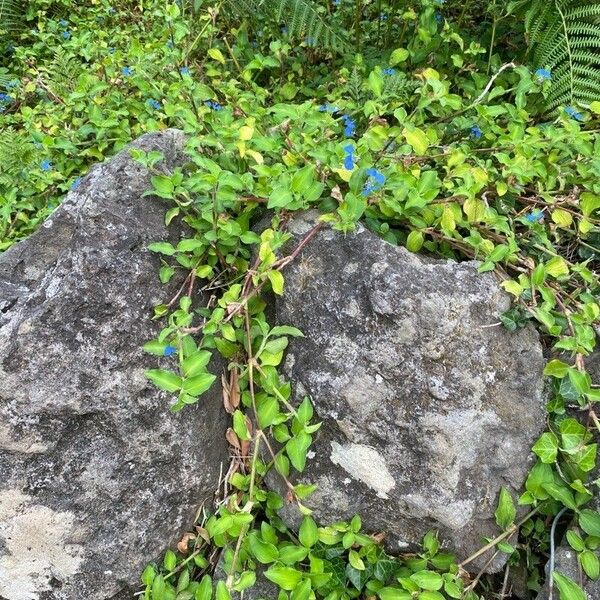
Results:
97 477
429 406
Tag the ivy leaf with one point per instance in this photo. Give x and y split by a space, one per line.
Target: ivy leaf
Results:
547 447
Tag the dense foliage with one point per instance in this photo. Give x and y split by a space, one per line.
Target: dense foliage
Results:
436 135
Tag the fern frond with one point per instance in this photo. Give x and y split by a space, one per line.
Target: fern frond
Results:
302 18
565 37
11 15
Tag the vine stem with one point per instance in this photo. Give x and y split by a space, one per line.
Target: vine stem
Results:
500 538
552 552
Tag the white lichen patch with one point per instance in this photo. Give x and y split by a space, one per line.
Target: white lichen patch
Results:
37 548
365 464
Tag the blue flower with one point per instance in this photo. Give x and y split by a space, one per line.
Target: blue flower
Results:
46 165
349 125
5 98
213 105
349 158
111 50
383 17
127 71
10 49
63 23
170 44
155 104
66 35
535 216
284 30
374 183
476 133
76 183
438 17
184 70
543 74
337 2
310 41
574 113
389 71
169 351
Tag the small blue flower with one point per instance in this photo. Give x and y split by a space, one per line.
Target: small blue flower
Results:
310 41
543 74
337 2
438 17
169 351
5 98
127 71
383 17
535 216
111 50
112 11
76 183
476 133
46 165
213 105
63 23
170 44
349 158
374 183
284 30
349 125
66 35
389 71
10 49
184 70
574 113
155 104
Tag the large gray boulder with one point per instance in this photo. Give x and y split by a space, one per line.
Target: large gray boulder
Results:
97 477
429 406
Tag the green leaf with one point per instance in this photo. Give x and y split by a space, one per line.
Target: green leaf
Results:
505 513
568 589
155 347
296 449
398 55
589 521
590 564
303 178
308 533
414 241
547 447
280 197
222 591
428 580
264 552
163 186
170 560
376 82
393 593
575 541
162 248
562 494
196 363
276 279
285 577
194 386
286 330
356 561
165 380
205 589
417 139
430 595
189 245
239 425
302 591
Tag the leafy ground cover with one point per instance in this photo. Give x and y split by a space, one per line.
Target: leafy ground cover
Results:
426 122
